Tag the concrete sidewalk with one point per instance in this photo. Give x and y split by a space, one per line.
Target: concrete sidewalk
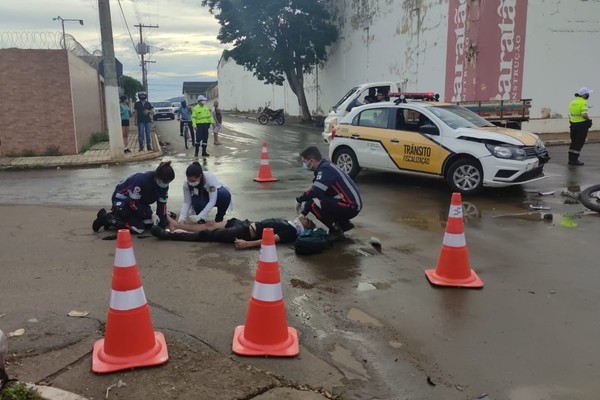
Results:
99 154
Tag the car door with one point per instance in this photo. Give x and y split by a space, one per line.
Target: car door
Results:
365 132
415 144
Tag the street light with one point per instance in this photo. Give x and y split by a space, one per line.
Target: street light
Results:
62 22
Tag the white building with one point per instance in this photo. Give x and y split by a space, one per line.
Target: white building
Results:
462 49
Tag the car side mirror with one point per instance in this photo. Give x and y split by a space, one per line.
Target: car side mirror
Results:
429 130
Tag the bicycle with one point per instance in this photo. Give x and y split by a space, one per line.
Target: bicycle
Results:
186 134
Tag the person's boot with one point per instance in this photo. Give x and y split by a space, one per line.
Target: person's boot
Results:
335 233
574 159
100 220
204 153
112 222
160 232
197 149
345 225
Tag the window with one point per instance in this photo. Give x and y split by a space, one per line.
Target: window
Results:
373 117
411 120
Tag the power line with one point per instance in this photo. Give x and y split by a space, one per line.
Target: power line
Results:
127 26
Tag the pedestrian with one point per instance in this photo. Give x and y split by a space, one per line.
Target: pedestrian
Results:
217 117
244 234
125 115
202 191
201 120
184 116
143 111
580 124
333 197
132 198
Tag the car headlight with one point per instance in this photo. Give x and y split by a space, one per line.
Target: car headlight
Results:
506 152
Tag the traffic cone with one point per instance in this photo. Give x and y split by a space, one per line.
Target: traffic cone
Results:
453 265
266 332
264 173
130 340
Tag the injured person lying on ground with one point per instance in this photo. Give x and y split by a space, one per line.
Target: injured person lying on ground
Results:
244 234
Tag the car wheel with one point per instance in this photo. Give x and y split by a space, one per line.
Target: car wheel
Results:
347 161
172 117
590 198
263 119
465 176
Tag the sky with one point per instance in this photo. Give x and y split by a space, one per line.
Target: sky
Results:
184 46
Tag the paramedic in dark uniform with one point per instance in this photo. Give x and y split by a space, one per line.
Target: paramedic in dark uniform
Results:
333 197
244 234
132 198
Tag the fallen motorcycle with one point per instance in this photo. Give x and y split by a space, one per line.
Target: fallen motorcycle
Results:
267 115
590 198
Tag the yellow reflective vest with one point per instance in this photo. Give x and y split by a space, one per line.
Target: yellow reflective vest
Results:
201 115
577 108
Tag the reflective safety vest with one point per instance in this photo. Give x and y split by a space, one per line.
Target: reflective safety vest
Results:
577 108
201 115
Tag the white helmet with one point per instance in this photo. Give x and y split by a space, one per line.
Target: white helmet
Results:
201 98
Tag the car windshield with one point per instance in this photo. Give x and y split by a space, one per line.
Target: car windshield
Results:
343 99
459 117
162 104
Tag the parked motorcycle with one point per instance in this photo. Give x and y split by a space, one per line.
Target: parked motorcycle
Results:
590 198
267 115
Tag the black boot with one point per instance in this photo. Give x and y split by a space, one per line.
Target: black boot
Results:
204 153
100 220
574 159
160 232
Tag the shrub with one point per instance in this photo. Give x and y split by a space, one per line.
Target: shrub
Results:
95 138
19 391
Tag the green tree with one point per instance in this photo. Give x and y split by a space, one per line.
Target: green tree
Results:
278 40
130 86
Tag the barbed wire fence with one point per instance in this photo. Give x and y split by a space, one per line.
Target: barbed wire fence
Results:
48 41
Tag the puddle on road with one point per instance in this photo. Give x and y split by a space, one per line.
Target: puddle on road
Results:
360 316
348 365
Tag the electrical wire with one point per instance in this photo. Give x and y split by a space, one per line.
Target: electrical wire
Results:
129 31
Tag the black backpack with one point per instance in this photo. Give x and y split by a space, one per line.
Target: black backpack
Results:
312 242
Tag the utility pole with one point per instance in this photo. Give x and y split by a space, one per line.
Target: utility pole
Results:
142 49
111 85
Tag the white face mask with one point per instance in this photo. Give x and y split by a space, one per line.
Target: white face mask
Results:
298 225
202 103
195 183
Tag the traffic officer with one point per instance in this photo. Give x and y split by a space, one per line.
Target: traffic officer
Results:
580 124
201 120
201 192
333 197
132 198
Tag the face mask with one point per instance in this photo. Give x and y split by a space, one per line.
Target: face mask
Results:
163 185
195 183
202 103
305 166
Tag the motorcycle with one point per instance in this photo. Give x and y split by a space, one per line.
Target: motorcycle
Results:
267 115
590 198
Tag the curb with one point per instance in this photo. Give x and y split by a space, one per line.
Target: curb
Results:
52 393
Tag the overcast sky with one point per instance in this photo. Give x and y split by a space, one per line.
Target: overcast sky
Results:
184 46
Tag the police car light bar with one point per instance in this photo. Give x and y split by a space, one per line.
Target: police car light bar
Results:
403 96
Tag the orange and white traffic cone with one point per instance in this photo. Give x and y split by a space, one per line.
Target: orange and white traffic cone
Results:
130 340
264 173
266 332
453 265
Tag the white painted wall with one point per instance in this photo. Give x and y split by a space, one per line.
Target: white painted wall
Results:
399 40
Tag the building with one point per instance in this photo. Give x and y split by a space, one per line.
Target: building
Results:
191 90
51 101
461 49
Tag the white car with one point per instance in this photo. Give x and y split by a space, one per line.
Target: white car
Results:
163 109
437 139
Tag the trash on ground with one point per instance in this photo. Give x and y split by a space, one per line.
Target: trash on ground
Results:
547 193
375 242
429 381
2 315
33 320
528 216
483 396
78 314
567 193
18 332
538 207
143 236
110 237
568 222
121 384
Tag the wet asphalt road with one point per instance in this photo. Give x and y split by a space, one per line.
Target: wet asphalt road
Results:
531 333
